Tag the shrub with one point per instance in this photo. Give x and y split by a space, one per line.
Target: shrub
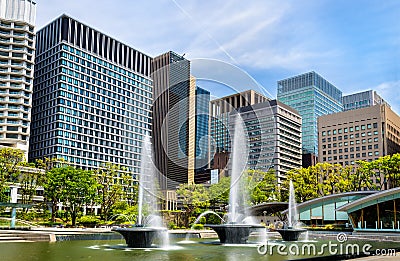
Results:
198 226
89 221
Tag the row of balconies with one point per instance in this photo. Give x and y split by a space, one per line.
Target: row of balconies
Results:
13 32
16 56
16 26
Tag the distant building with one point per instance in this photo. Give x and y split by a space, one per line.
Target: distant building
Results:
202 108
360 134
17 52
274 136
92 97
220 110
312 96
362 100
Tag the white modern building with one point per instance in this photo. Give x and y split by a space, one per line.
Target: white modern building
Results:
17 52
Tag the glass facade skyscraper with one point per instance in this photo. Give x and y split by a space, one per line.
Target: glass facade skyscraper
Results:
312 96
202 124
92 97
17 51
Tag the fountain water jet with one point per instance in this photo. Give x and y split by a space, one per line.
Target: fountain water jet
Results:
143 233
235 231
291 231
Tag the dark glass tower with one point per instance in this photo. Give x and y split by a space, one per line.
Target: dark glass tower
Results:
202 124
171 132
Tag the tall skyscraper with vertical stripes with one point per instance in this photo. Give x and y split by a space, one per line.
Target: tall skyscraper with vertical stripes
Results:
92 97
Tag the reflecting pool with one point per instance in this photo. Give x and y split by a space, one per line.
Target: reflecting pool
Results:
194 249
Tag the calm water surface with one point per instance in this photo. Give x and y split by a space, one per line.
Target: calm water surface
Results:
196 249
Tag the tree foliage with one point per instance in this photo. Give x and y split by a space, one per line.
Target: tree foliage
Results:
262 186
10 159
193 196
74 187
109 189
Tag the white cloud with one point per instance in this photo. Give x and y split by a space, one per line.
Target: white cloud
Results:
389 91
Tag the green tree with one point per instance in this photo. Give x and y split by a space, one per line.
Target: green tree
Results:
219 192
110 189
193 196
262 185
361 177
30 179
10 159
305 182
73 187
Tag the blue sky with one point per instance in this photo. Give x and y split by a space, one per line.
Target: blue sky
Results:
353 44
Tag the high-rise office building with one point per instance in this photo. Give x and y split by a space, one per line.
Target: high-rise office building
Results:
173 121
92 97
362 100
274 136
360 134
202 124
312 96
220 138
202 135
17 51
220 110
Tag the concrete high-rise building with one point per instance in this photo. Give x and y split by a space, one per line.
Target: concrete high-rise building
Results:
17 51
362 100
312 96
274 136
92 97
173 121
359 134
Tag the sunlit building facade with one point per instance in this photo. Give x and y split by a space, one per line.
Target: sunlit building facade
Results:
362 100
312 96
17 51
92 97
273 135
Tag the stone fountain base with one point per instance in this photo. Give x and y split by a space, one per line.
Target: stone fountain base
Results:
290 234
140 237
234 233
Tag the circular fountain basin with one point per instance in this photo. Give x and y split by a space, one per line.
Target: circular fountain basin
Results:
140 237
234 233
290 234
